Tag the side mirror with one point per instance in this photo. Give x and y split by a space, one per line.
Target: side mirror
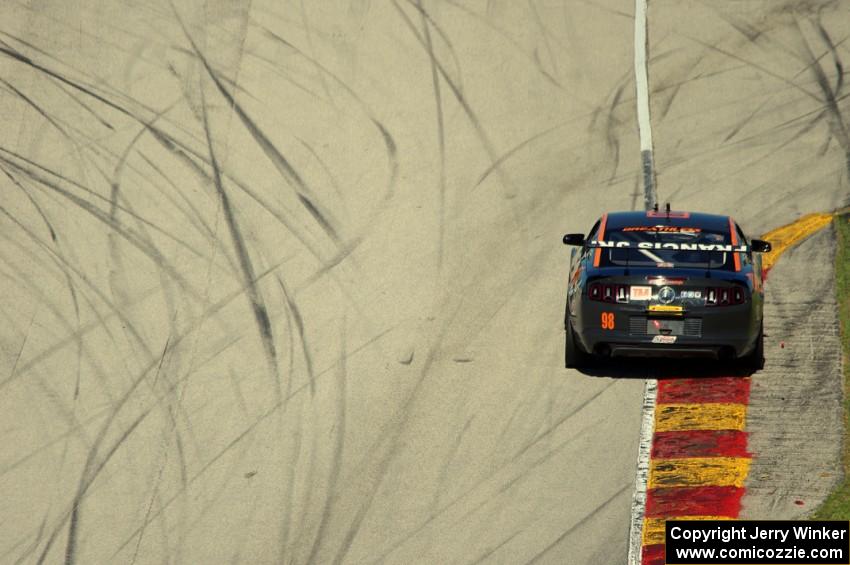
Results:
760 246
574 239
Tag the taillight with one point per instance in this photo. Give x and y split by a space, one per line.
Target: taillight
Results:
725 296
608 292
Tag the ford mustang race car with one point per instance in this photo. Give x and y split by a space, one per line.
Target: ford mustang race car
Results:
665 284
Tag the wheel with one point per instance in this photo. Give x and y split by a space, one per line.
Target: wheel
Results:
755 359
574 356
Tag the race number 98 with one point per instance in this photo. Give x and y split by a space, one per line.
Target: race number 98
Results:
607 320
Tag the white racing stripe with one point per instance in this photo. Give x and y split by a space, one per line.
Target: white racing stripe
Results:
651 386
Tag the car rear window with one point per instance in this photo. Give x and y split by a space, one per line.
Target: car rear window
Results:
666 257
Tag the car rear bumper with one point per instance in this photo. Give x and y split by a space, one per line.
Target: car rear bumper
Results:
719 334
658 350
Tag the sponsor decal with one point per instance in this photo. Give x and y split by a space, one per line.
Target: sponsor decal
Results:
664 339
578 273
597 255
666 295
665 214
665 281
734 237
665 309
663 229
599 244
640 293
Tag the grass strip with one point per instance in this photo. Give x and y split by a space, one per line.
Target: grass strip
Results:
837 506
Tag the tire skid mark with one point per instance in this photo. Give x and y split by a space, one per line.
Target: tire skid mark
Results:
689 471
258 305
514 467
93 467
485 139
388 140
699 443
535 62
90 472
838 127
578 524
53 181
189 157
303 192
319 539
72 291
245 433
699 416
441 134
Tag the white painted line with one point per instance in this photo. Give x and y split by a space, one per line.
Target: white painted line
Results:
642 77
642 97
650 389
647 426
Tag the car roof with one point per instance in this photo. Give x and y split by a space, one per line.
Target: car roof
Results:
711 222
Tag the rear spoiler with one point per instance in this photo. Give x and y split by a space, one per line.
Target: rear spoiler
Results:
673 246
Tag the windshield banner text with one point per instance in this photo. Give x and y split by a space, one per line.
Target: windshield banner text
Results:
673 246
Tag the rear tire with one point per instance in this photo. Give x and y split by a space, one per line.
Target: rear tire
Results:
574 356
755 360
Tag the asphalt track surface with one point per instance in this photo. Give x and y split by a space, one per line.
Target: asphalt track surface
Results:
282 282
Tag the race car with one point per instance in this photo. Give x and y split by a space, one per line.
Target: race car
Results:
665 284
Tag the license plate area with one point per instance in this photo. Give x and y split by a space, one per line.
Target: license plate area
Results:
656 326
